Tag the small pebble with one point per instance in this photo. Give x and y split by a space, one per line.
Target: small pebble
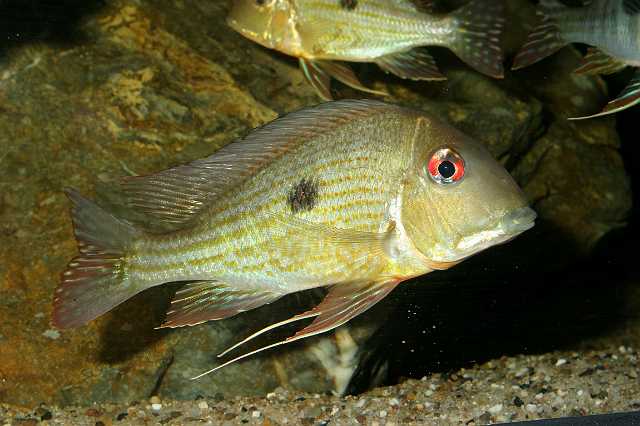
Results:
156 407
560 362
51 334
256 414
203 405
383 414
495 409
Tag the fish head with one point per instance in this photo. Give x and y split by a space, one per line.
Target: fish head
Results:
270 23
457 199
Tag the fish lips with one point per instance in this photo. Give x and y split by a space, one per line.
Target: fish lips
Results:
509 226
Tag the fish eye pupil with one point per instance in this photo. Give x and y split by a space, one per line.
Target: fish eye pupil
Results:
446 169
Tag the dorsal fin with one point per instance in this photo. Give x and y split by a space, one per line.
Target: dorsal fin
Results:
176 195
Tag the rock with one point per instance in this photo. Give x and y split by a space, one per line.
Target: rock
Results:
155 84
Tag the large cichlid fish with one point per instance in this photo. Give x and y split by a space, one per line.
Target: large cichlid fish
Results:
354 195
389 33
612 27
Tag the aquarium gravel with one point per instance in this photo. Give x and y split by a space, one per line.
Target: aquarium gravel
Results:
506 389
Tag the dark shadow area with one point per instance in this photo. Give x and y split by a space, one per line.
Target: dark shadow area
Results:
513 299
28 21
131 326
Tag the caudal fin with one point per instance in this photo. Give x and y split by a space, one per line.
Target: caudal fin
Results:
545 39
95 281
478 36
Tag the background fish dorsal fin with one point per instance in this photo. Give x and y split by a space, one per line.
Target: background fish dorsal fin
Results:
632 7
177 195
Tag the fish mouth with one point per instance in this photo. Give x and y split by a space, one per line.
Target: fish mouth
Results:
509 226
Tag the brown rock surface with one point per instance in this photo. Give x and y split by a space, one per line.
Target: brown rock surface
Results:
160 83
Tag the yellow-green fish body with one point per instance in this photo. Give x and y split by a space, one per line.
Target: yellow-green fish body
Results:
386 32
355 195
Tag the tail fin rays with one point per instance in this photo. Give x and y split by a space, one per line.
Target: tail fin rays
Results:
477 39
544 40
96 280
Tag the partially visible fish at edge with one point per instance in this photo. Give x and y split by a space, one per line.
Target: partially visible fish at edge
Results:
356 196
390 33
611 27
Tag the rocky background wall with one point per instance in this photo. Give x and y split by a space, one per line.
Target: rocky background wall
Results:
139 86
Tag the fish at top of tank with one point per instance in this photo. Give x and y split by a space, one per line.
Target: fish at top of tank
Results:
357 196
390 33
611 27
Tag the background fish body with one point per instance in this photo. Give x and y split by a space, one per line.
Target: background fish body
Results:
354 195
612 27
387 33
608 24
362 30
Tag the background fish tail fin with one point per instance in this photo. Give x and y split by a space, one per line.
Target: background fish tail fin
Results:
476 39
545 39
95 281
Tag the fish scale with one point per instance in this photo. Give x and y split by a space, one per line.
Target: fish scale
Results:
342 195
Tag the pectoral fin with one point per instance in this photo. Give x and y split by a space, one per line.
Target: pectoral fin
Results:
203 301
598 62
342 303
415 64
629 97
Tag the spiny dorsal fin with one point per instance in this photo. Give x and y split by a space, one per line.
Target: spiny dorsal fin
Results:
632 7
176 195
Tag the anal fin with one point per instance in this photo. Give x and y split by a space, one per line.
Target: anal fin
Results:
342 303
202 301
415 64
345 75
598 62
629 97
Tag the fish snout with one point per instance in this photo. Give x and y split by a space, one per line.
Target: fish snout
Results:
518 221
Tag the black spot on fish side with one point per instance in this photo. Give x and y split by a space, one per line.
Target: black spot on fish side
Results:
303 196
348 4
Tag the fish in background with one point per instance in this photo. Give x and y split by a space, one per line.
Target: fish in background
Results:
356 196
390 33
612 27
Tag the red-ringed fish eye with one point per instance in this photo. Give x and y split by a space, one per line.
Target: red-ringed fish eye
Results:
445 166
